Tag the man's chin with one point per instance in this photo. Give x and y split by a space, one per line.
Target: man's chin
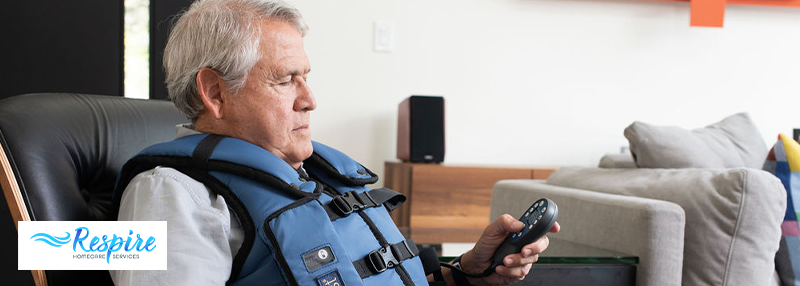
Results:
304 151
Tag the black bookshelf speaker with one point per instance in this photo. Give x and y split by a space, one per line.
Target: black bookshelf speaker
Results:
796 134
420 129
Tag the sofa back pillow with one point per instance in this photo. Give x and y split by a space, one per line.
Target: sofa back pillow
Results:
784 161
733 216
734 142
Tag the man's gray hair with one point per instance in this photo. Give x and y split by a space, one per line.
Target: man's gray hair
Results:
222 35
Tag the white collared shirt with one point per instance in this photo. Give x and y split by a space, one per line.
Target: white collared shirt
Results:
202 235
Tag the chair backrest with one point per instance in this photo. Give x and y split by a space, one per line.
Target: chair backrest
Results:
60 155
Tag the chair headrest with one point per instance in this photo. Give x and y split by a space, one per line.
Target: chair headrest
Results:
67 149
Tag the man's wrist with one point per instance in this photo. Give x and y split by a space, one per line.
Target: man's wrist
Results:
458 276
462 280
469 265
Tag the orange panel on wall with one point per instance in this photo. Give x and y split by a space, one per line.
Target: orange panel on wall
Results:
707 13
711 13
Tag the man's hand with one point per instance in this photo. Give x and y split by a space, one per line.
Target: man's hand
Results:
515 266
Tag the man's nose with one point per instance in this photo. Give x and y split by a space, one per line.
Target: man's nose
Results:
305 98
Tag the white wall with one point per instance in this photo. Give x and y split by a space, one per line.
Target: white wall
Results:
545 82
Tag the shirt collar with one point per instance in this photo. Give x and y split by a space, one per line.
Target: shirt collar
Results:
185 129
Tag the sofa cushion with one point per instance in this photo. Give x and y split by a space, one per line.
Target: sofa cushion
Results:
617 161
784 161
731 143
733 216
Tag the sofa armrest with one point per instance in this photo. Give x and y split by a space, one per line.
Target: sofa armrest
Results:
650 229
734 216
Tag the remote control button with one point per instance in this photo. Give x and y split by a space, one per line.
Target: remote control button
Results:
530 227
534 222
544 209
540 217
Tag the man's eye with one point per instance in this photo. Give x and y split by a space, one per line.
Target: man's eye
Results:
285 82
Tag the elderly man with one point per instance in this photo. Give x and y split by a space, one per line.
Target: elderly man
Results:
248 198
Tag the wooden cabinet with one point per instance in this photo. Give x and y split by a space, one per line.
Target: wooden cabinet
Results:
447 196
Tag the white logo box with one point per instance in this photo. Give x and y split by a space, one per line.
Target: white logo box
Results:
92 245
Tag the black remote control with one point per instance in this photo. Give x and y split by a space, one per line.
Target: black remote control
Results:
538 220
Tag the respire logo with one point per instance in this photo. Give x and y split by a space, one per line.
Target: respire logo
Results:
95 245
54 241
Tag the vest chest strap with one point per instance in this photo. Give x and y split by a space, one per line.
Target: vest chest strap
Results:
386 257
343 205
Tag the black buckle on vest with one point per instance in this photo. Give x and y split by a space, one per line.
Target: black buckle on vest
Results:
347 203
408 249
382 259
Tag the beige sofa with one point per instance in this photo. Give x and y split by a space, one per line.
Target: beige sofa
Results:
705 226
689 227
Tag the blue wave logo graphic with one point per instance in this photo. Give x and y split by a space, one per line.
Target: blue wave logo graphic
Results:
51 240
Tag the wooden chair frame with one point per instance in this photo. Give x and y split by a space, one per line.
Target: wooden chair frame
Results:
16 203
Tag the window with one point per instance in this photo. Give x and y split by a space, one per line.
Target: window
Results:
137 45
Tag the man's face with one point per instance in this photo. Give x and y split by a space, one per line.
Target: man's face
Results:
272 109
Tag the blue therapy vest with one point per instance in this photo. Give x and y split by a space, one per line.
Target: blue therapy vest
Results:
297 231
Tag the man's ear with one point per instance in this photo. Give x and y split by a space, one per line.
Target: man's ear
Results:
209 85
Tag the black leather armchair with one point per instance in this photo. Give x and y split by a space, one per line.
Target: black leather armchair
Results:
60 155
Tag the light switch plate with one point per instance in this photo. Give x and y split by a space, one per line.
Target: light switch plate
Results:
384 36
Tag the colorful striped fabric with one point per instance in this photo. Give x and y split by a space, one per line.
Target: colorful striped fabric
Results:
784 161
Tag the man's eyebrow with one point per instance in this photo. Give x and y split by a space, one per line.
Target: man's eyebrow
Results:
298 72
282 73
